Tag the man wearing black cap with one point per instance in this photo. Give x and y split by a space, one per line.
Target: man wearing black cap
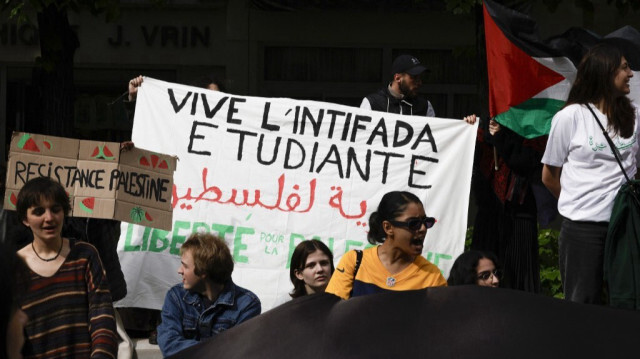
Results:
400 96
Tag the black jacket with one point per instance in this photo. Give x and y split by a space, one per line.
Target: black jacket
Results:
385 102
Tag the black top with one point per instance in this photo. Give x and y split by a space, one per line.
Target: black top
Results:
385 102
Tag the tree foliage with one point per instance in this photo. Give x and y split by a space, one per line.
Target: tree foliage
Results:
52 78
53 74
550 282
21 10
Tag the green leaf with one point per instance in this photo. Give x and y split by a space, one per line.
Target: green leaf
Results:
16 11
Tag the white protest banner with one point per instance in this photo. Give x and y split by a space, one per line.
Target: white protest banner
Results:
266 173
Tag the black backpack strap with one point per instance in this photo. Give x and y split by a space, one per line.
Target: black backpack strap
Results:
358 261
614 149
355 270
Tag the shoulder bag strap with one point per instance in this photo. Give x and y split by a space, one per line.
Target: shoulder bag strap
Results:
358 261
355 271
614 149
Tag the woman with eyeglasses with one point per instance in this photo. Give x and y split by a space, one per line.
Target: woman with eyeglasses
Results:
399 226
475 267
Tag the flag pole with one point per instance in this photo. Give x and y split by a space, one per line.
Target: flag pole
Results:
495 151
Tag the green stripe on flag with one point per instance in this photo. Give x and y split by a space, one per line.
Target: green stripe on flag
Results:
531 118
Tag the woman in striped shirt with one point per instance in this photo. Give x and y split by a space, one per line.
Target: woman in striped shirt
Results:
68 302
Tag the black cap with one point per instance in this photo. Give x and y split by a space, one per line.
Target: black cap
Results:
407 64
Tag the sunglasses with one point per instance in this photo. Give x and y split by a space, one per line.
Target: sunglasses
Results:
487 274
415 224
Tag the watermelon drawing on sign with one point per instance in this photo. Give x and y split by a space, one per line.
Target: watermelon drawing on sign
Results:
163 165
47 144
27 143
136 214
107 152
148 217
13 200
102 152
144 161
88 204
154 160
95 152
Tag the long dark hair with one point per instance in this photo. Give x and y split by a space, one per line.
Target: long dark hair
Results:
299 261
595 82
464 269
391 206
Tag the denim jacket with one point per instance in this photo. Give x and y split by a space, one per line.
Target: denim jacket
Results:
185 320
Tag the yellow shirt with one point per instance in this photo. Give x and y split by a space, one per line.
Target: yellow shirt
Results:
373 277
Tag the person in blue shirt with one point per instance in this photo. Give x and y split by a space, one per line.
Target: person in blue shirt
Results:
207 302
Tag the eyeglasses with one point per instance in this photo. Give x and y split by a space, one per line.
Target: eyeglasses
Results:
415 224
487 274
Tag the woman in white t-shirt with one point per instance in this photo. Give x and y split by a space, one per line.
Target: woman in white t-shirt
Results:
581 170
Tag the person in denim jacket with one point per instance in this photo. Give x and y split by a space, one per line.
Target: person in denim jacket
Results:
207 302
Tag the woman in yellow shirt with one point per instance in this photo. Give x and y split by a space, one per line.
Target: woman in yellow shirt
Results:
399 226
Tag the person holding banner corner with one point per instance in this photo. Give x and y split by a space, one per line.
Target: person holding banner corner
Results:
206 82
401 94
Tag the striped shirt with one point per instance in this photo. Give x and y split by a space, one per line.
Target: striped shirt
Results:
70 313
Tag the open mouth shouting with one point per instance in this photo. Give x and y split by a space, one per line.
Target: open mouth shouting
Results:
417 243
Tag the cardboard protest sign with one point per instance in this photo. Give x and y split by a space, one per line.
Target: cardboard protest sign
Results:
267 173
132 186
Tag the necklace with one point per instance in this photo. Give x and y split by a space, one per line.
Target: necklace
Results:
48 259
391 281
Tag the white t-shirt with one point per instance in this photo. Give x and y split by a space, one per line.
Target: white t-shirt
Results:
591 176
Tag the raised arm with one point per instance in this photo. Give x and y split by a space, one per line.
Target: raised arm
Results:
130 103
134 83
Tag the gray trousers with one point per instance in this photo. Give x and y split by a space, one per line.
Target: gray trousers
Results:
581 255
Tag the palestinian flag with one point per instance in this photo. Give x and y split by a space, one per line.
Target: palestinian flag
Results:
530 79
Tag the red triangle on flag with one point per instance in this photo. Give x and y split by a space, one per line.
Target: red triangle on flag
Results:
514 76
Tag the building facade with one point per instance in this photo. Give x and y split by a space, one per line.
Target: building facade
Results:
334 53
